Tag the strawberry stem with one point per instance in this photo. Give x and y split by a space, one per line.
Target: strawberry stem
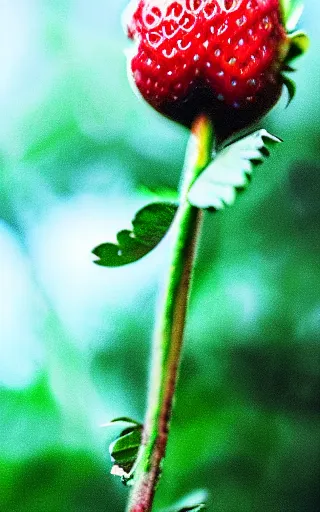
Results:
170 329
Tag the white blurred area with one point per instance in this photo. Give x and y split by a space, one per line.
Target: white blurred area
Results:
17 36
57 308
88 298
21 351
21 60
48 268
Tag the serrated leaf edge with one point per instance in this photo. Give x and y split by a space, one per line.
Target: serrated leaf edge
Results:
251 154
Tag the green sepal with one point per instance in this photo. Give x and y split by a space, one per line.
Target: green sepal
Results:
150 225
230 171
291 13
288 69
291 87
299 45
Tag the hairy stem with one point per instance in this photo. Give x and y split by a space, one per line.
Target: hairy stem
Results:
170 329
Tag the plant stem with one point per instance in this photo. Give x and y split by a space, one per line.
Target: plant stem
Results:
170 329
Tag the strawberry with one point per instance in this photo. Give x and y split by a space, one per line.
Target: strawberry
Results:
219 57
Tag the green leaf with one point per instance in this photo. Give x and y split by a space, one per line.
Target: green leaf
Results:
124 451
229 172
150 225
291 11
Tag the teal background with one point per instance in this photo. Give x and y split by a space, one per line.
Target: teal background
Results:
76 145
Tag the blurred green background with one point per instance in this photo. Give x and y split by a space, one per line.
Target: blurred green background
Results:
75 146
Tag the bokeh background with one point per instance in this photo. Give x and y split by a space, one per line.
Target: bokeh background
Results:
76 145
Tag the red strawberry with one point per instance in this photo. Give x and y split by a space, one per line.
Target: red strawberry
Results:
219 57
